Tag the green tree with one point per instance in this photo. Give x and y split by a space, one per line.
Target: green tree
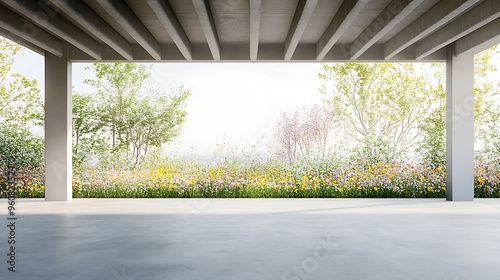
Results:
486 111
153 120
117 85
380 103
20 100
136 117
20 109
486 103
86 123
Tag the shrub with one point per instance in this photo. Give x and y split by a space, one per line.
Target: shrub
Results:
21 157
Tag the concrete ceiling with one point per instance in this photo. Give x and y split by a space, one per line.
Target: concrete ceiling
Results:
251 30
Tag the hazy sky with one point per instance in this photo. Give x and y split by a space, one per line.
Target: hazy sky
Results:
235 103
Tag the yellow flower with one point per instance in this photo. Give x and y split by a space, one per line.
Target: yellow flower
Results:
480 179
79 189
430 189
340 189
375 188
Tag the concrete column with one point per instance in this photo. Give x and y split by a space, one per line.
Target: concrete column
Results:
459 126
58 133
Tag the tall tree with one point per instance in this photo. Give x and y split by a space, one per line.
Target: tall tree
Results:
486 110
378 101
153 120
136 117
86 123
117 85
20 100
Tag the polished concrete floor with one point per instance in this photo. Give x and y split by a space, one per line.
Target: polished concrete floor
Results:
295 239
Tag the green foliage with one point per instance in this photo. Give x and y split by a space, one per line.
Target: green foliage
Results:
153 120
125 120
20 100
433 144
20 148
357 97
374 150
389 109
486 112
21 156
21 153
486 103
378 100
118 85
86 123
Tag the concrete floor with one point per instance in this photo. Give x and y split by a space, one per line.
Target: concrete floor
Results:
295 239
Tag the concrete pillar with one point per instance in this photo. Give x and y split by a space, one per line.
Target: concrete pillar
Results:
459 126
58 133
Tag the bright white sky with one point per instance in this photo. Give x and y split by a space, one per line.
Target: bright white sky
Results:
232 103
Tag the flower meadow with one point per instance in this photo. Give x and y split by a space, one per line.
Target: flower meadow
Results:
233 179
